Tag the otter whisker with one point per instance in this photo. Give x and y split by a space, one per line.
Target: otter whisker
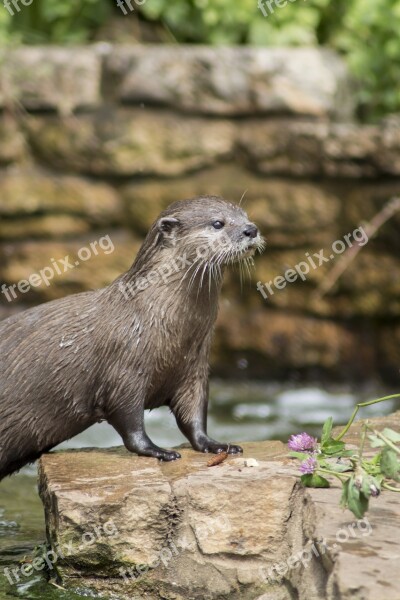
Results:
219 267
243 195
216 268
191 267
197 263
202 275
201 264
249 262
235 256
210 278
242 263
245 268
193 279
261 245
201 279
221 259
215 274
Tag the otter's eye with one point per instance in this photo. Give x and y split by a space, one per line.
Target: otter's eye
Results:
218 224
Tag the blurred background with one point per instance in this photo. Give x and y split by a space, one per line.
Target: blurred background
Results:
109 111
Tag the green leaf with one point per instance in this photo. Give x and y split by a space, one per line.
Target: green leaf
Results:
358 504
329 445
390 465
326 431
391 435
356 501
376 442
314 481
353 499
348 453
339 467
373 462
345 493
333 447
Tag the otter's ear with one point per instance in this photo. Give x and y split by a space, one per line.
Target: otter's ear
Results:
167 227
167 224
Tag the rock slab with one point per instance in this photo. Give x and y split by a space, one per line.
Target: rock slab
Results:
130 527
233 81
219 81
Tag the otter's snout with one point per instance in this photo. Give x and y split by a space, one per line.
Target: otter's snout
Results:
250 231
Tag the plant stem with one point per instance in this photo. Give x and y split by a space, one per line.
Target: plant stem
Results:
385 439
363 435
357 408
329 472
387 486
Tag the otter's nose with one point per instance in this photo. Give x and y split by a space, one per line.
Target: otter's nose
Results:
250 230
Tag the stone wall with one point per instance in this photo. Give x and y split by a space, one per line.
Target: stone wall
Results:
94 141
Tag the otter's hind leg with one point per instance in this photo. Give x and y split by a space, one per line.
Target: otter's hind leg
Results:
130 426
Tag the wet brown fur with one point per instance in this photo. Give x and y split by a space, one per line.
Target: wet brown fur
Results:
99 355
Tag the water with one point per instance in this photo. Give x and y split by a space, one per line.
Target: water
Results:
239 411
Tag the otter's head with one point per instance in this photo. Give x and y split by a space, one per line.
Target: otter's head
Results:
211 225
209 229
202 235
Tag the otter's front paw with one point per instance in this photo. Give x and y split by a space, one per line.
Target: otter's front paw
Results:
159 453
167 455
218 447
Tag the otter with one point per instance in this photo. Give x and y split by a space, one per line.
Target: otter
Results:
140 343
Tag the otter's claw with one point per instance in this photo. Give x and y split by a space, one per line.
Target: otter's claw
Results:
217 448
167 455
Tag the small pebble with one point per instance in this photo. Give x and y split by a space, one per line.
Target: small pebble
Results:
250 462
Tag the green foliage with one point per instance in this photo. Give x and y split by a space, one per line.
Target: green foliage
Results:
315 481
390 464
5 27
369 38
353 499
53 21
361 478
226 22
